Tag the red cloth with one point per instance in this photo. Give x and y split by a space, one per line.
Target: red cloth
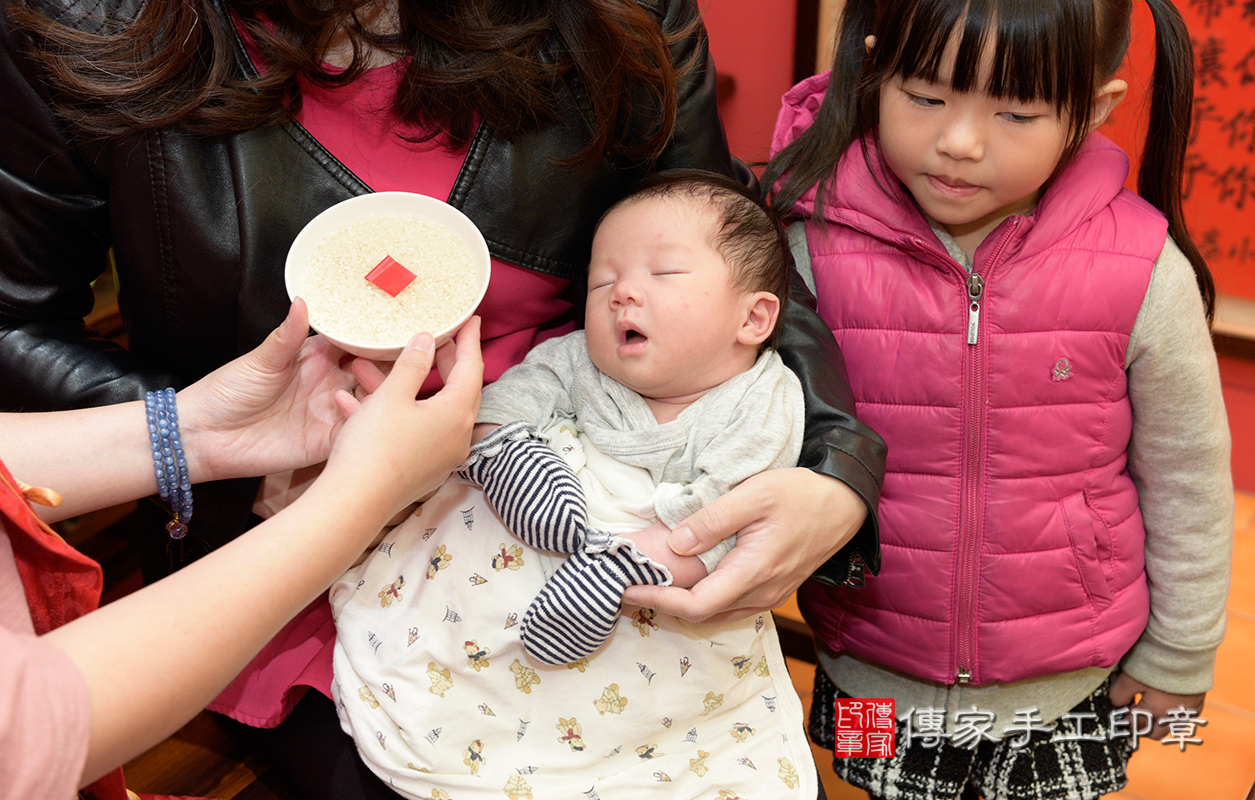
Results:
60 583
296 659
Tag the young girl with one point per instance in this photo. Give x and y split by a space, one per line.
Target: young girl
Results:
1029 338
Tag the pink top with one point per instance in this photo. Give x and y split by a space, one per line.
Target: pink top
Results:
352 122
45 709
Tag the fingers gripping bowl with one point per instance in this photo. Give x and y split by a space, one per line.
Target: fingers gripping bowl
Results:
378 268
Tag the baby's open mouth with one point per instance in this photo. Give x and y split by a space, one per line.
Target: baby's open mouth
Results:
629 336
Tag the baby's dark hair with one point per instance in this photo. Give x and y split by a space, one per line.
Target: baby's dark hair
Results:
1060 51
750 237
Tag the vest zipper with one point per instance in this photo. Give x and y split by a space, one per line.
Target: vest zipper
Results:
970 529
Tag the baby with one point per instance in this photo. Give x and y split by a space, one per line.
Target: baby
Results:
607 438
673 379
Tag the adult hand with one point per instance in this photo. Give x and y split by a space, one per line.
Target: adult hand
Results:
398 448
1160 705
787 521
270 410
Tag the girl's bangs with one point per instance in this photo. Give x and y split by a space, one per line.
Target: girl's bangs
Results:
1037 51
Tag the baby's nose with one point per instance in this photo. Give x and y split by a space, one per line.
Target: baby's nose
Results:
625 292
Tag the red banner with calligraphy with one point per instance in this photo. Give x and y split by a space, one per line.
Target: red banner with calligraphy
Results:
1220 165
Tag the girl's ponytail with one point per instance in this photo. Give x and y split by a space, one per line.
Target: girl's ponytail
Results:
810 160
1161 172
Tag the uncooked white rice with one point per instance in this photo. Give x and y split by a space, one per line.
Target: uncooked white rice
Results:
347 306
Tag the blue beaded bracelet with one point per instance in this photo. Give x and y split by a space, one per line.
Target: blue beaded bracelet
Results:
169 463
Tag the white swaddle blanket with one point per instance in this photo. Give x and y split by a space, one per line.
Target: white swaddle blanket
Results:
443 701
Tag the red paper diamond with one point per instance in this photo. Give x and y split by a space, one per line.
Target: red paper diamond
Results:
390 276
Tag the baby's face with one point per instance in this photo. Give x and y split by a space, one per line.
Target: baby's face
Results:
663 314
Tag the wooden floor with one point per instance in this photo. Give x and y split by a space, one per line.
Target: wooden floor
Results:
205 760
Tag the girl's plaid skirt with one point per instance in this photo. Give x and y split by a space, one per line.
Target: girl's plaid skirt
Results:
1054 764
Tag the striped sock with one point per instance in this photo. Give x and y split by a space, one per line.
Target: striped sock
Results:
531 488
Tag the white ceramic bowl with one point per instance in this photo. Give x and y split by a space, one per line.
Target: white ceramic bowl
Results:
383 204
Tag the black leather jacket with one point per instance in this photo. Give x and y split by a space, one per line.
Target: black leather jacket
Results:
199 227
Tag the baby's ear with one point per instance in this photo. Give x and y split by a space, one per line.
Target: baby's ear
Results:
762 309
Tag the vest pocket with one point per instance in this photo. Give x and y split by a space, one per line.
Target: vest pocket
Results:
1085 530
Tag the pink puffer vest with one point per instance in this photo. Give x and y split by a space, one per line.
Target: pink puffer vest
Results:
1011 539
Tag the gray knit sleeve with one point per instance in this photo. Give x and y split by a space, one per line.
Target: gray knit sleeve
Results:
539 388
1179 459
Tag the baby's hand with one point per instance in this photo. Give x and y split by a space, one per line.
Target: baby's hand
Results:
1159 705
481 430
652 541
